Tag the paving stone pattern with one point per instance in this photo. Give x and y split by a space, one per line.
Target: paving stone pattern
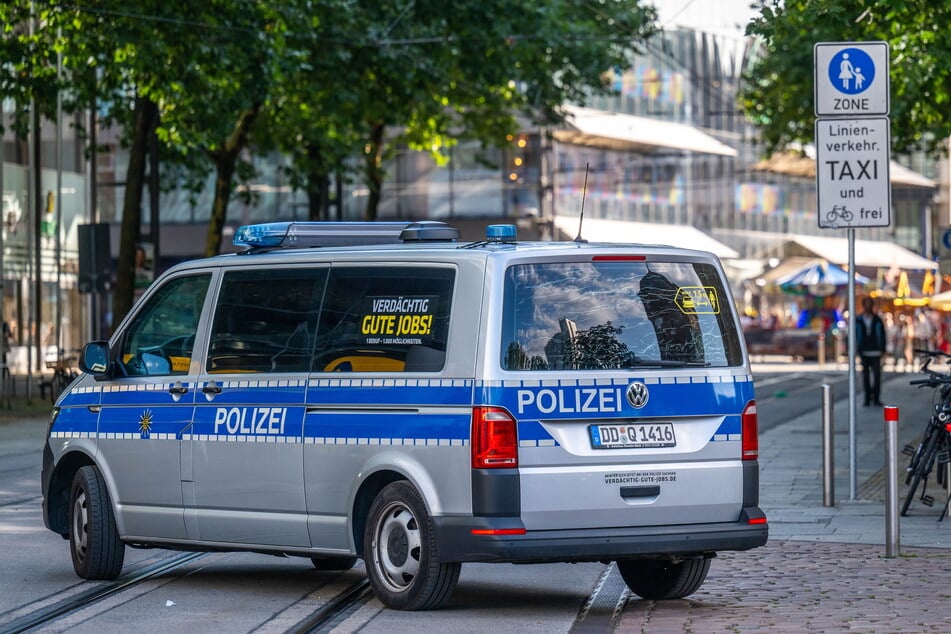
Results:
824 568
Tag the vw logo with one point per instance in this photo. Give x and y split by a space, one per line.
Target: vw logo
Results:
637 394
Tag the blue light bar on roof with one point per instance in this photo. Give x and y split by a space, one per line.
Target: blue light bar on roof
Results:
293 235
500 233
267 235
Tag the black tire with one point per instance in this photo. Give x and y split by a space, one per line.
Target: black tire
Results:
399 551
94 543
922 469
333 563
662 579
915 460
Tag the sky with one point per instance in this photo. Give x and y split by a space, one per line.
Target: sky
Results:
722 17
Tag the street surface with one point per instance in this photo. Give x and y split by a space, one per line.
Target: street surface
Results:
823 570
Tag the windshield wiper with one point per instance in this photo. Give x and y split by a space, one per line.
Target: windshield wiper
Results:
665 363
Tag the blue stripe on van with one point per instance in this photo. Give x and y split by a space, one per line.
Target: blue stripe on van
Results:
275 408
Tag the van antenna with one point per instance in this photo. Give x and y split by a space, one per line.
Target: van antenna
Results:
584 192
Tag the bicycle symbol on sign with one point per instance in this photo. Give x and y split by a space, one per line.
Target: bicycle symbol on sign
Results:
839 212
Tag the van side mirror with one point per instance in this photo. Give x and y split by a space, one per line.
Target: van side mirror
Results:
95 359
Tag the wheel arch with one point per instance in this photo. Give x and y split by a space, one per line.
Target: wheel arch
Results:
364 497
57 494
381 471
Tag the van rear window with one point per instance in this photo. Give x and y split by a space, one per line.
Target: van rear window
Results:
610 315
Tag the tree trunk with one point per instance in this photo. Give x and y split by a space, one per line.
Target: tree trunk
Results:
318 186
144 116
374 171
225 159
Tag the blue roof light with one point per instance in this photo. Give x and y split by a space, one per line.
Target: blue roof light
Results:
500 233
295 235
271 234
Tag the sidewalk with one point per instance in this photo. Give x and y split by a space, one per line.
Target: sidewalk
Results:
824 569
790 458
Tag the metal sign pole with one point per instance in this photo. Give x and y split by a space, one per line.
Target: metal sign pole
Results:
852 469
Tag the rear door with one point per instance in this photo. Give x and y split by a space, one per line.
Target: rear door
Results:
628 380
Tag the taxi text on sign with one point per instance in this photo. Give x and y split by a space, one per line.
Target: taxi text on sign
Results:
852 157
851 79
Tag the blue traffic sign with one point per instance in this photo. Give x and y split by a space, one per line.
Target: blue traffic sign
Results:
851 71
851 79
946 239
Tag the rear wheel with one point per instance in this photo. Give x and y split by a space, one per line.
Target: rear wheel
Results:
94 543
400 552
333 563
661 579
922 469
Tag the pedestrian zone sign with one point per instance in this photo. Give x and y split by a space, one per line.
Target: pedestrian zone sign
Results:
851 79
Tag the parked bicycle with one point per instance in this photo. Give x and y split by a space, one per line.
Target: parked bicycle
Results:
63 374
935 446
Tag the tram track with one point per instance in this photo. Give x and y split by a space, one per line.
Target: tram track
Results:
20 501
336 610
82 600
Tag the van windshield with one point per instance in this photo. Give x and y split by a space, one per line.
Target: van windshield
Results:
609 315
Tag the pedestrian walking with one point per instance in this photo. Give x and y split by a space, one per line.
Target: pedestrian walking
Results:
870 343
891 341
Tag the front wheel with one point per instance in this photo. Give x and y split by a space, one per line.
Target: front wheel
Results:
661 579
400 552
94 543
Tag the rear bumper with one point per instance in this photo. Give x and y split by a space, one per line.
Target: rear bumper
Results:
456 542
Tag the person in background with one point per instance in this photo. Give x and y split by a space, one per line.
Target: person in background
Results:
891 340
870 343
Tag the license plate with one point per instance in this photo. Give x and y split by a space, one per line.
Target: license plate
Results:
632 435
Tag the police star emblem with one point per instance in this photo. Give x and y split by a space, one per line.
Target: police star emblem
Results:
145 423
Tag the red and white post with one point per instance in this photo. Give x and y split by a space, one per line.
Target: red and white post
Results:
892 538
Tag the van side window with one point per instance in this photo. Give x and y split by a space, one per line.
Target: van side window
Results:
392 319
161 336
265 320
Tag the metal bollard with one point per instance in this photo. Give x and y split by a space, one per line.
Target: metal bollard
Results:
828 453
892 538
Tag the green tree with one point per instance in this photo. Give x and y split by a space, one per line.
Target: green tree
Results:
777 93
425 74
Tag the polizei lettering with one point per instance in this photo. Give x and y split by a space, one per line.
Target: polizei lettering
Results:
580 400
250 420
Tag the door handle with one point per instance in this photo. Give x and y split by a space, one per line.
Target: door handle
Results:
211 388
177 389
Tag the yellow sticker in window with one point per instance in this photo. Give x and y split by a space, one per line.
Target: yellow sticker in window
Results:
697 300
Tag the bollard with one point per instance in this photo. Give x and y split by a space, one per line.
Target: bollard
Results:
828 453
821 352
892 538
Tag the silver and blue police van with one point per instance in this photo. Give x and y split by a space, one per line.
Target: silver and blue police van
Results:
386 391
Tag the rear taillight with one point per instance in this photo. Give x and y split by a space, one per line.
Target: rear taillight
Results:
749 425
494 439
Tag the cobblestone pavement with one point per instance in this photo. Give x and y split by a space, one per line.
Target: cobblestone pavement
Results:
824 568
809 587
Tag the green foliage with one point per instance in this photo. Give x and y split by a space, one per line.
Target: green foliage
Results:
777 93
321 76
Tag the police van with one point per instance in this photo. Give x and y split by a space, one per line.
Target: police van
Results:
386 391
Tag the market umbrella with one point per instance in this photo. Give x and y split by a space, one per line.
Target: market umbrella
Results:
941 301
818 278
